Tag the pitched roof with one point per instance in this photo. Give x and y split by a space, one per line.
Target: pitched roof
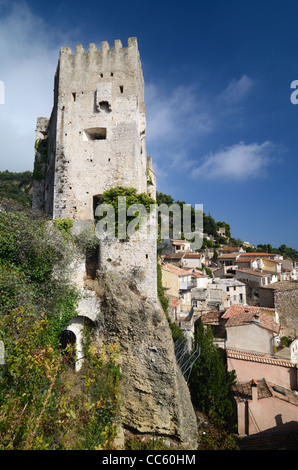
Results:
229 256
210 317
246 259
235 309
192 255
175 269
241 315
232 249
183 254
242 391
179 242
258 255
266 389
173 301
194 272
253 272
282 285
243 319
259 357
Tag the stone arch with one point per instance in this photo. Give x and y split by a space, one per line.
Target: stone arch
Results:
67 338
75 330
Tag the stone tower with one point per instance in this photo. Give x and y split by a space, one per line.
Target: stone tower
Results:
95 140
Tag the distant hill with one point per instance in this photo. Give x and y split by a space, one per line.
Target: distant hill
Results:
16 186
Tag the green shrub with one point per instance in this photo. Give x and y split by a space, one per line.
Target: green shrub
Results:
43 404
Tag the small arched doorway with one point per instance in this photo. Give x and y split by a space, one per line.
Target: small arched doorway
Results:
68 338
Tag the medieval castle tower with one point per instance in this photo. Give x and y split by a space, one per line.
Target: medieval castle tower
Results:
93 141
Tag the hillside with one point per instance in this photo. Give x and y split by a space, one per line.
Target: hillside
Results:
16 186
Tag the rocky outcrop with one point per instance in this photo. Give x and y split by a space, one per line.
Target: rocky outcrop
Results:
155 396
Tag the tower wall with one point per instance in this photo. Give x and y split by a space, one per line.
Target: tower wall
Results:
101 123
96 141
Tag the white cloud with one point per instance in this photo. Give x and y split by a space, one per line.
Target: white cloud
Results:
176 116
238 162
28 56
236 90
178 120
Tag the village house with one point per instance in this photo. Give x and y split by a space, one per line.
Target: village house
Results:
250 328
231 249
228 259
213 320
282 296
225 272
289 270
265 409
186 259
208 299
265 394
266 265
180 245
256 254
199 279
254 279
235 290
177 283
248 262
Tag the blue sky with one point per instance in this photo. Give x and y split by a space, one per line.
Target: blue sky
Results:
221 127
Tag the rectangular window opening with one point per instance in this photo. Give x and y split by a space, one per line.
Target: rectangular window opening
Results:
95 133
74 96
121 88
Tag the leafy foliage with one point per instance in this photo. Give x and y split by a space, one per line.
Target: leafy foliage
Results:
285 251
210 382
41 157
216 436
139 443
16 186
43 404
64 225
132 197
175 329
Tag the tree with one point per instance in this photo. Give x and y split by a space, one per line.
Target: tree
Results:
210 382
226 226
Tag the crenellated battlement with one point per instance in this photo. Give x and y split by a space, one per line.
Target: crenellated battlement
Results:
94 62
132 45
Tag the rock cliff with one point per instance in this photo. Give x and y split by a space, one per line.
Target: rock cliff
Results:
155 396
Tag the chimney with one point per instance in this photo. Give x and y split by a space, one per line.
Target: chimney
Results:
254 389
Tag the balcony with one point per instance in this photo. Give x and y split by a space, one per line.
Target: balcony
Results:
183 285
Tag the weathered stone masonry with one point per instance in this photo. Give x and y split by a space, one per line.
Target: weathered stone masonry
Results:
95 140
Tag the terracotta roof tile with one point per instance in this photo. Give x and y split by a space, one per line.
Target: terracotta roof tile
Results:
232 249
282 285
241 315
183 254
228 256
175 269
266 389
259 357
259 255
252 272
210 317
242 391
